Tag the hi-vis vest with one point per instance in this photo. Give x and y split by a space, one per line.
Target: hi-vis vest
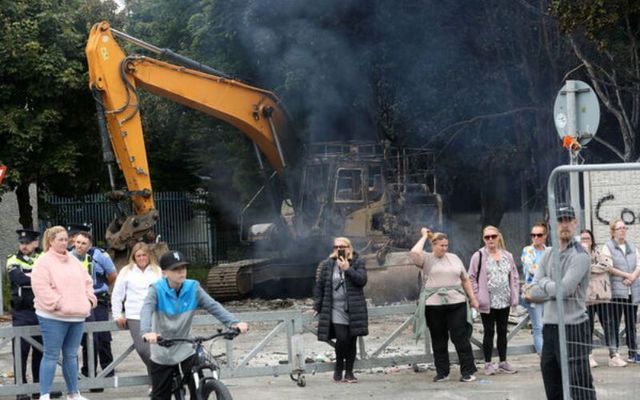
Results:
88 264
21 294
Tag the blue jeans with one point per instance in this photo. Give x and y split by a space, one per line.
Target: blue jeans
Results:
57 336
535 316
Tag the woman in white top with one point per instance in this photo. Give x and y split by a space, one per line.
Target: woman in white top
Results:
130 290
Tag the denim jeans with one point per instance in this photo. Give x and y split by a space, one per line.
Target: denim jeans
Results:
60 336
535 316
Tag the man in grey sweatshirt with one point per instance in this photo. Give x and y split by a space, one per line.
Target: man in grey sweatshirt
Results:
575 270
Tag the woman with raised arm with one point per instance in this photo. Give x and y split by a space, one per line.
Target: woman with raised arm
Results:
445 302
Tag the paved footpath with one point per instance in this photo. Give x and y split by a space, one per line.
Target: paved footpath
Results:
403 383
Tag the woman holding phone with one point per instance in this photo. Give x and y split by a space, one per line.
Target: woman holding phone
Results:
340 305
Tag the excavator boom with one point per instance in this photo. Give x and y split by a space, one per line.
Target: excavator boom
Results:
115 79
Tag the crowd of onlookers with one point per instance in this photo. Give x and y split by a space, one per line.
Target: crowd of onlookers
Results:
71 282
596 280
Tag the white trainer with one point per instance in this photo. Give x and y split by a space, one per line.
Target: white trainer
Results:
617 361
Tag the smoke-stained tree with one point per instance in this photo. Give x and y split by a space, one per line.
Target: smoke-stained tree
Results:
46 129
605 37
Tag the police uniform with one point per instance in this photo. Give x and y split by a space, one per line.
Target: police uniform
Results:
19 268
99 266
74 229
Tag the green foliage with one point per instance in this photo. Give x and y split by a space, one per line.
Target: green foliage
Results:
46 129
601 21
605 37
200 273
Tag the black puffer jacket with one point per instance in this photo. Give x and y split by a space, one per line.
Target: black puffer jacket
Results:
355 278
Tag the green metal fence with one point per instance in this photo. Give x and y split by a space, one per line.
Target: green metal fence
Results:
184 222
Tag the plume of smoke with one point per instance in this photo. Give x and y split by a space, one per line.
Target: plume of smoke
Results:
316 60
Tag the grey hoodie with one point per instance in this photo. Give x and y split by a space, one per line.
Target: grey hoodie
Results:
575 267
170 314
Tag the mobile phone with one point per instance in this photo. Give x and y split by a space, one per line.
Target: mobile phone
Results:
342 254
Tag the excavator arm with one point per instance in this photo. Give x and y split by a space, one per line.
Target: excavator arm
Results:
115 79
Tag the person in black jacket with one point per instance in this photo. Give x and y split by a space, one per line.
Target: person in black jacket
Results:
340 305
19 267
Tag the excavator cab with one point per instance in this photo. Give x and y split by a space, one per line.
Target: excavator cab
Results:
379 197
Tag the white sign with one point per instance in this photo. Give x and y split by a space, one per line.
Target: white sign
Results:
576 111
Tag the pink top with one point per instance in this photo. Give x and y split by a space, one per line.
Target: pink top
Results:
62 287
439 272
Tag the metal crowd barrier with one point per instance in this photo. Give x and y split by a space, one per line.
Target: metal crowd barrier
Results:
294 324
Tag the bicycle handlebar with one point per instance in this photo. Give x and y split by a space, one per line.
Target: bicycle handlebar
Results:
228 334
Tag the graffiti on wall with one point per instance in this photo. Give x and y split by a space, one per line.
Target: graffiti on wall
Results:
626 214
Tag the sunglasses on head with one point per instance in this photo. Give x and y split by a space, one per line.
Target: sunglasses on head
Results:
487 237
538 235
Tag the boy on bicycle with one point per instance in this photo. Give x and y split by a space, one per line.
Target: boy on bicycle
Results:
168 312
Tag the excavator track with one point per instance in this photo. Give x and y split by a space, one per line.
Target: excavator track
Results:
262 278
232 281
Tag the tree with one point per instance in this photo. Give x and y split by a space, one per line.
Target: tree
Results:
604 36
46 130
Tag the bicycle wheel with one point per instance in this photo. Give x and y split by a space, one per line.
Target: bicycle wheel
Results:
213 389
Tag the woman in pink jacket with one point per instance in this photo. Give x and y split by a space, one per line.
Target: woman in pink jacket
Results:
64 297
494 278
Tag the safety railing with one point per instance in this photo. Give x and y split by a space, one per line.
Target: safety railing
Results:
293 325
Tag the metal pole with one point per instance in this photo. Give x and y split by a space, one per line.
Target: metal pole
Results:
572 123
1 292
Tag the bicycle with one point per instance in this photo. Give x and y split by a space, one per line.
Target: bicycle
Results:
205 369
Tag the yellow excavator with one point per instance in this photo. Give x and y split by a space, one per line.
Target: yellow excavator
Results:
374 193
114 81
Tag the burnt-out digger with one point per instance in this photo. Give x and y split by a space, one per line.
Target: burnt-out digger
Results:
376 194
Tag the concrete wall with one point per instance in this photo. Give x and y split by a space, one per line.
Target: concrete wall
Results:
612 195
8 224
9 220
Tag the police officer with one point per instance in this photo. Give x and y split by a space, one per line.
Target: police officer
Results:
19 266
72 231
103 271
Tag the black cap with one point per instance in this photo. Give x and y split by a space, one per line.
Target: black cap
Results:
172 259
73 229
565 211
27 235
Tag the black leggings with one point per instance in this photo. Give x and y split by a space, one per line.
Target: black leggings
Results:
499 317
345 348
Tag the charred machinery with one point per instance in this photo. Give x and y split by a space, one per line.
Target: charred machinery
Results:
374 193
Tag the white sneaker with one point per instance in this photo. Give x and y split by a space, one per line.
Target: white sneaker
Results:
45 397
76 396
592 361
617 361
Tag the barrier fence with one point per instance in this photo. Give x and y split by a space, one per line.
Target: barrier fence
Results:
600 195
291 326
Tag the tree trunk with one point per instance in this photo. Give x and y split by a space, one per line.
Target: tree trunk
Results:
24 206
